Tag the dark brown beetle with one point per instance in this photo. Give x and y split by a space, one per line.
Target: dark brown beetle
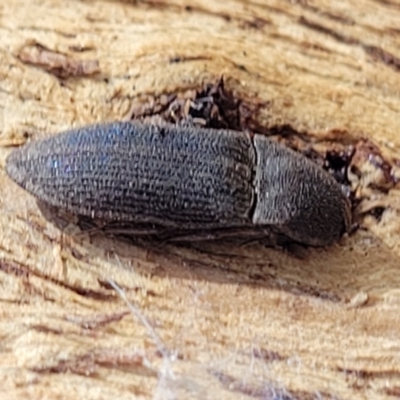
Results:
183 179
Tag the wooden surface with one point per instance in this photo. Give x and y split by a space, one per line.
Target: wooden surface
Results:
210 321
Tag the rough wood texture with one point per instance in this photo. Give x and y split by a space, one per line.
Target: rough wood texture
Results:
212 321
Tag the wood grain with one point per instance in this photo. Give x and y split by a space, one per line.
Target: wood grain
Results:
209 320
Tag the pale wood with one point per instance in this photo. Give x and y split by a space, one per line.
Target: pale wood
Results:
243 322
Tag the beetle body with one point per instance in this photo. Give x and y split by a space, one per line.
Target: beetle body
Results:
183 178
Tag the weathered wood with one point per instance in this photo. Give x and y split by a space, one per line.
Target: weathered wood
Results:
217 321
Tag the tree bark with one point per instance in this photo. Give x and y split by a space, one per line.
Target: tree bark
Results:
210 320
